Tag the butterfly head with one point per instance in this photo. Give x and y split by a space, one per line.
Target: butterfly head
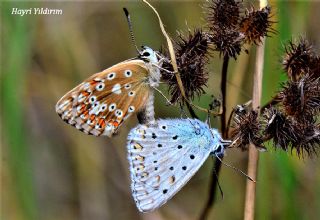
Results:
218 145
148 55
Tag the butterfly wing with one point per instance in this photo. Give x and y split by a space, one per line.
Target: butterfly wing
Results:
101 103
164 157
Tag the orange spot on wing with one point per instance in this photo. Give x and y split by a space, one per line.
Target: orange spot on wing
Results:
86 113
115 124
92 117
93 82
102 123
85 93
82 108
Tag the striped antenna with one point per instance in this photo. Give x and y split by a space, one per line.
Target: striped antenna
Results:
126 12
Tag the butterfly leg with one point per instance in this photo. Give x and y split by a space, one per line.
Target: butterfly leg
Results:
168 102
163 69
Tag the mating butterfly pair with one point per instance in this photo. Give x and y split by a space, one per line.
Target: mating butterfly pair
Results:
163 154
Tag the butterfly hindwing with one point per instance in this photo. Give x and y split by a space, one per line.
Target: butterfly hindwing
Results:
101 103
164 157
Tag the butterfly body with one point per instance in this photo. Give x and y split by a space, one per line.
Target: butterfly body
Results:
101 103
165 156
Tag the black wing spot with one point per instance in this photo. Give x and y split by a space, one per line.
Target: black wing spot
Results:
154 136
191 156
179 146
175 137
171 168
184 167
159 145
165 191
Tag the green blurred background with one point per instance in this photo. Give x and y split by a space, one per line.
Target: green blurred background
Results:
49 170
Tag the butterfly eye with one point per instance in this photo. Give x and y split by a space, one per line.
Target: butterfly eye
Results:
131 109
111 76
112 107
100 86
128 73
146 54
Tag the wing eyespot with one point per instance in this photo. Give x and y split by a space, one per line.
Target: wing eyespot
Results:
128 73
111 76
118 113
127 86
92 99
131 109
100 86
103 107
112 107
131 93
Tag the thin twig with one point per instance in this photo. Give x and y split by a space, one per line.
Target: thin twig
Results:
217 164
212 191
253 152
191 111
223 87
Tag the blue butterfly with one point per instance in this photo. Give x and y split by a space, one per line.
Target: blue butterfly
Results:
163 157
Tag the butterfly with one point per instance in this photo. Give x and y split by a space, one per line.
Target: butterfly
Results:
164 156
101 103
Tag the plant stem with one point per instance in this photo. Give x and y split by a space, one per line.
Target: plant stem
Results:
223 87
217 164
253 152
191 111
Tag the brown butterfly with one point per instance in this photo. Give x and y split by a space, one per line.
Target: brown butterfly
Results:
101 103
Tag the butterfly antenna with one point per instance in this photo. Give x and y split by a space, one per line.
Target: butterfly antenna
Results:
126 12
219 186
236 169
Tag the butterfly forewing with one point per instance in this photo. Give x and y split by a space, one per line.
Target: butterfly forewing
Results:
164 157
101 103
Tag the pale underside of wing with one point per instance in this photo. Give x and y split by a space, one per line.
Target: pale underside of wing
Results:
163 158
101 103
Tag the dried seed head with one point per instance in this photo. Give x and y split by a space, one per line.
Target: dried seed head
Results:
301 99
315 68
283 130
299 59
287 133
192 56
256 24
309 142
223 19
223 14
227 42
246 129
